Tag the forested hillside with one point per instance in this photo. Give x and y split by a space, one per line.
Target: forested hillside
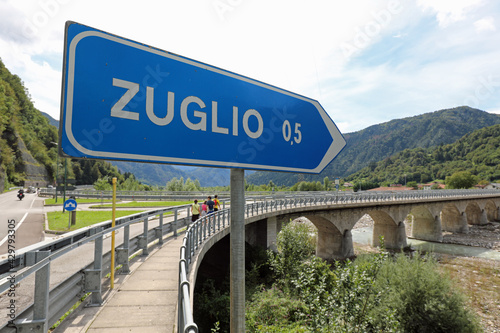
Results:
477 153
383 140
27 149
28 143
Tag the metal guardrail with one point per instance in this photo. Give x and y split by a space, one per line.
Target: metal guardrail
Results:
49 305
201 230
153 195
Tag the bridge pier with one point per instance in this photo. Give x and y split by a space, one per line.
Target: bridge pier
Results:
483 219
464 227
347 246
334 245
273 228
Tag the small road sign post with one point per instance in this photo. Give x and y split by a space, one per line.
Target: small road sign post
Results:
70 206
123 100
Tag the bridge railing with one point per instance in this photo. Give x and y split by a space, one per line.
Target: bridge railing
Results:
204 228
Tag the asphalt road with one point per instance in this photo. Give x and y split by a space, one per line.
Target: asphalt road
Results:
26 215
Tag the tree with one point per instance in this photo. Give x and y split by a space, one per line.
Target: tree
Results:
326 182
460 179
271 185
295 243
412 184
103 184
175 184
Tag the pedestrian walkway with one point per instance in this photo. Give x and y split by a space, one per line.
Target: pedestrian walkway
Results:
143 301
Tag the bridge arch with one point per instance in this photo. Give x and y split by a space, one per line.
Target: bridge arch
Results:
426 225
473 212
391 226
334 242
453 220
491 211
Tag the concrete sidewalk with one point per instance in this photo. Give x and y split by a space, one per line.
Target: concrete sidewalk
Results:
143 301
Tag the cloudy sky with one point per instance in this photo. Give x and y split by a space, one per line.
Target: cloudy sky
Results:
365 61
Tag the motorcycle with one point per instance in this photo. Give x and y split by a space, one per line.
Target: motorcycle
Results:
20 196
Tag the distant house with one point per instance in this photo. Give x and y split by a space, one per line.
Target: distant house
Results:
429 186
493 186
346 184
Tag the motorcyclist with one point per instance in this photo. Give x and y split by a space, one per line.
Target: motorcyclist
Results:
20 194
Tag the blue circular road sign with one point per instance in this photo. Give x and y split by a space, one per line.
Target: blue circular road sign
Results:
70 205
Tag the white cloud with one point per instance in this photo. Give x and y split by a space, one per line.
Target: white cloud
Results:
485 24
449 11
407 64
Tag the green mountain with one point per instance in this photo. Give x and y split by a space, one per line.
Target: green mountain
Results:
160 174
28 143
477 152
150 173
27 140
380 141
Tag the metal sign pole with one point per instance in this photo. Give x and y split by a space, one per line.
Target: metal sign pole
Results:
237 257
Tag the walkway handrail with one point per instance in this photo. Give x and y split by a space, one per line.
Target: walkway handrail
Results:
204 228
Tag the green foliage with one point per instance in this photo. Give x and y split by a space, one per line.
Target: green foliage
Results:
308 186
477 153
413 184
460 180
122 184
364 186
271 310
213 305
179 185
374 293
326 183
381 141
295 244
422 298
20 121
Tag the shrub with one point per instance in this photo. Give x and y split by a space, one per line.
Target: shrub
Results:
295 243
424 300
272 310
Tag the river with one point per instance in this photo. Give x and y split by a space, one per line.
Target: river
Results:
364 236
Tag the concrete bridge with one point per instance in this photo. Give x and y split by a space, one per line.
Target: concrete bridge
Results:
429 213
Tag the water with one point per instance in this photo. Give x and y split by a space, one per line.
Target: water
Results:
364 236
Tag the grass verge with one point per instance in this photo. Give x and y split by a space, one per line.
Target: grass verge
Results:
80 201
58 221
146 204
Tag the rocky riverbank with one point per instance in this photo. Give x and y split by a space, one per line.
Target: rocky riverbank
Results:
477 278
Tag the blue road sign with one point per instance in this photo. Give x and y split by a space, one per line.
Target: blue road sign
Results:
124 100
70 205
